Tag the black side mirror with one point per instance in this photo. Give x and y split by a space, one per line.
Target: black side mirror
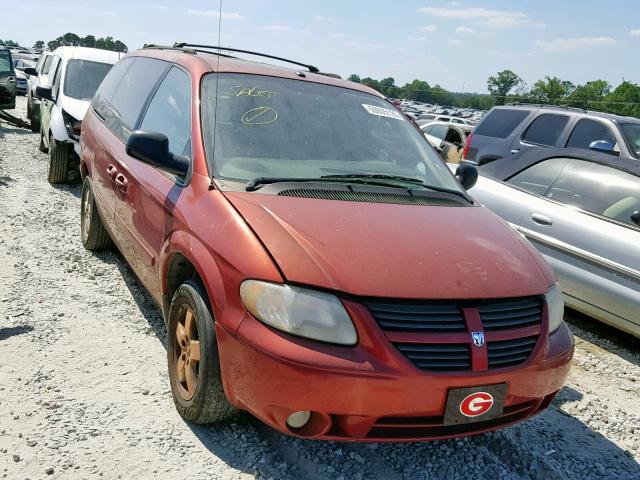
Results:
153 148
44 92
635 217
30 71
467 175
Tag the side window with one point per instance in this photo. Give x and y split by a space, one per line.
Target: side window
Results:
598 189
131 91
500 123
546 129
587 131
427 130
169 111
102 98
47 64
439 131
538 178
55 84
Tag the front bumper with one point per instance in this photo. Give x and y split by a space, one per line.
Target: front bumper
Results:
371 392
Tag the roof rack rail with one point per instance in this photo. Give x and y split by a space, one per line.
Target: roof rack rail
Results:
311 68
549 105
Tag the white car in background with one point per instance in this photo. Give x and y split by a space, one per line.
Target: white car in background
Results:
37 76
448 139
74 76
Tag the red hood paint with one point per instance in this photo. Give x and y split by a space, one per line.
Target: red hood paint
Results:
399 251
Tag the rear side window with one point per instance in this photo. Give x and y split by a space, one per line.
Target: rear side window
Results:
598 189
121 109
169 111
501 123
587 131
5 62
546 129
439 131
538 178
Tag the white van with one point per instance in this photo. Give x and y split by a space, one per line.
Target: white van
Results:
74 75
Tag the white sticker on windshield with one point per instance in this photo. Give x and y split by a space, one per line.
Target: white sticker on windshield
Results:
382 112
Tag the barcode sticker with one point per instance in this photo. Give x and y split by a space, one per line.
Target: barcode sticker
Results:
382 112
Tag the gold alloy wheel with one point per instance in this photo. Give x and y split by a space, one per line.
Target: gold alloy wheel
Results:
187 353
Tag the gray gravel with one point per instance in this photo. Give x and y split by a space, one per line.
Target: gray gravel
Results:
84 391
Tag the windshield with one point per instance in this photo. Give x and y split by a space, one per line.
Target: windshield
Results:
631 132
275 127
83 77
5 62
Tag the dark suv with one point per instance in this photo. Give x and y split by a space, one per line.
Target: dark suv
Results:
7 80
509 129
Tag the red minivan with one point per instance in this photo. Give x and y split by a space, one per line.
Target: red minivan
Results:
316 262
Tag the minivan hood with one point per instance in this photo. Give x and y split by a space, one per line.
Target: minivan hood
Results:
398 251
74 107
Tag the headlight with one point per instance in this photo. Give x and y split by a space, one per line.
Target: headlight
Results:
555 305
299 311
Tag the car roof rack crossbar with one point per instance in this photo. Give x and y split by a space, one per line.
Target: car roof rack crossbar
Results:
549 105
311 68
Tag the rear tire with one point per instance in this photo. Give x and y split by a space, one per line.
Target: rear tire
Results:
94 234
35 120
58 161
200 399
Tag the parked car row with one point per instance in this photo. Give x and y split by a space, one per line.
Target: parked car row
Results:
333 253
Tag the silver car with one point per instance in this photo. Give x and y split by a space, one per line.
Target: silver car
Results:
581 210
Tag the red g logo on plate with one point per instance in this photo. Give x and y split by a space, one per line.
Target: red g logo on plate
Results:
476 404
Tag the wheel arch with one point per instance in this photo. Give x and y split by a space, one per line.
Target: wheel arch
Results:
184 257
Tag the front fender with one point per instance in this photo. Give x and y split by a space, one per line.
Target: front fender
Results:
56 125
185 244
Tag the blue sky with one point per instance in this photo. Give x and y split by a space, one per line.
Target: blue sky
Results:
457 44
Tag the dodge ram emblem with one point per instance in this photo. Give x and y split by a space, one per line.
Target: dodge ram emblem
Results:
478 338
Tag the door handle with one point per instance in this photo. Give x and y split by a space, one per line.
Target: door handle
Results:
121 182
514 151
112 172
541 219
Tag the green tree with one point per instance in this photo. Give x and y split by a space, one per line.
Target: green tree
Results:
593 90
39 45
418 90
354 78
502 83
551 89
89 41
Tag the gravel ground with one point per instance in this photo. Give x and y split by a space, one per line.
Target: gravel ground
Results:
84 390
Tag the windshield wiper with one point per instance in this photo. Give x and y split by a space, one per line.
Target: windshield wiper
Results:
379 178
362 178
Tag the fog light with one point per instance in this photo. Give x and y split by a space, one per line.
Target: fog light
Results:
299 419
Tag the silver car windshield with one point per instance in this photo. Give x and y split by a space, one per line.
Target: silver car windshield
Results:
83 77
276 127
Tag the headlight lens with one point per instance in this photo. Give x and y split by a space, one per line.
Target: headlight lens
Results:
555 305
302 312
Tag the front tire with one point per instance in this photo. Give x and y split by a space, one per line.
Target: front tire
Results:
58 161
193 359
94 234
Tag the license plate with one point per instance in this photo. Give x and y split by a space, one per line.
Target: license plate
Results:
475 404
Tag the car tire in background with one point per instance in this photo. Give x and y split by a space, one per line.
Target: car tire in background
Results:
192 356
94 234
35 121
58 161
42 147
